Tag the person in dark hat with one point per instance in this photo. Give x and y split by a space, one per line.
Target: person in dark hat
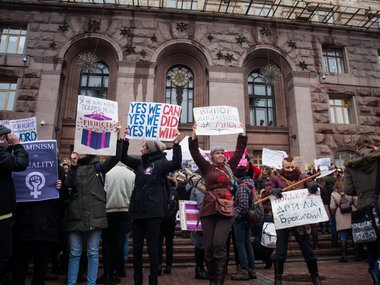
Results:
13 157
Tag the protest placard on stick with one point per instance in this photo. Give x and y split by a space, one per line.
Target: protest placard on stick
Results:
153 121
189 216
217 120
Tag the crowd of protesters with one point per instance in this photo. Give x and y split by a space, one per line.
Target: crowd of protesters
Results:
106 200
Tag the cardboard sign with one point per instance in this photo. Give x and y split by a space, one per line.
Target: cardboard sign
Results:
189 216
153 121
38 181
297 208
217 120
95 126
25 129
273 158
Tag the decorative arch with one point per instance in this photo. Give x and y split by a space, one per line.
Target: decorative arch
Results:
107 52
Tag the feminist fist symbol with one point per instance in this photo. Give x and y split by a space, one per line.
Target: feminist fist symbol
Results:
35 181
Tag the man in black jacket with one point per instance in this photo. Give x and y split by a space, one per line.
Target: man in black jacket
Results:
13 157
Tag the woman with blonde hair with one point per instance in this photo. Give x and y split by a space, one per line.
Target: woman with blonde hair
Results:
343 217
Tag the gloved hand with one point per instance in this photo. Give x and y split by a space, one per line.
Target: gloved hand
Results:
313 188
276 192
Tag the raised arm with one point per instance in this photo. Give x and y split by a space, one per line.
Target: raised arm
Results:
241 144
199 160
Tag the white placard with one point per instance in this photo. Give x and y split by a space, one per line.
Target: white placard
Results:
273 158
153 121
297 208
25 129
95 126
322 163
217 120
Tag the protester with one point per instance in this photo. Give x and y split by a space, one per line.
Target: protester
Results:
13 157
86 211
343 220
149 200
290 174
242 226
362 179
119 183
168 225
217 176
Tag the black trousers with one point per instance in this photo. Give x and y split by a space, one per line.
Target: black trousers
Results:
113 242
23 254
304 242
149 229
6 227
167 232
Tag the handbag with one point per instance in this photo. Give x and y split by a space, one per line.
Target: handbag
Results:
365 224
269 235
223 206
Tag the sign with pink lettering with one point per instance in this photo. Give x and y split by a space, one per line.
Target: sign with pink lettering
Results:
95 126
217 120
297 208
153 121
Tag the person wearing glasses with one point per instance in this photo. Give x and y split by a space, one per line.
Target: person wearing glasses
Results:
290 174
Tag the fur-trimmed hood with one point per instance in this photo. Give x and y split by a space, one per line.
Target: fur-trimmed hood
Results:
364 162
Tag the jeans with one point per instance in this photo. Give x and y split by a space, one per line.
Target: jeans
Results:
242 232
76 242
343 235
126 246
5 242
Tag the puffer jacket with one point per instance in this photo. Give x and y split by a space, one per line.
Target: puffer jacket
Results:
149 197
15 158
360 176
86 209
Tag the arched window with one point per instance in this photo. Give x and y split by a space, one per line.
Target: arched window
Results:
342 155
180 91
95 84
261 101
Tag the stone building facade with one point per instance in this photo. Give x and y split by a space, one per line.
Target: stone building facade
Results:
326 96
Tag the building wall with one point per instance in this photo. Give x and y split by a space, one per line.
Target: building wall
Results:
45 81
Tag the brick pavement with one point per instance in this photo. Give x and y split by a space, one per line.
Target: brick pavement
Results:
332 272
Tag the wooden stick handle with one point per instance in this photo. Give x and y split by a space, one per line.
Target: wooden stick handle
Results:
289 187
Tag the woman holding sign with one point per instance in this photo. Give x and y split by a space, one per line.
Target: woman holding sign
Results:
218 177
149 200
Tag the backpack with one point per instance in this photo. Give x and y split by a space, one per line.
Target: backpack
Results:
255 212
345 204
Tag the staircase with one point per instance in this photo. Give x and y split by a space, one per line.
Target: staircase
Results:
184 250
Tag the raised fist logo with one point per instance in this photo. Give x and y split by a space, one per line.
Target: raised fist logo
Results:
35 181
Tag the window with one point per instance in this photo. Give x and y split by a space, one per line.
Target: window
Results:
180 91
12 40
7 96
341 156
340 110
333 60
256 158
260 10
182 4
325 17
261 101
95 84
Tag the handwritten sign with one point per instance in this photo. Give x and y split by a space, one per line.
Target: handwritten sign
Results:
322 163
189 216
273 158
154 121
25 129
217 120
95 126
37 182
297 208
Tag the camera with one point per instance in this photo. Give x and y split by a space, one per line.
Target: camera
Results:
43 123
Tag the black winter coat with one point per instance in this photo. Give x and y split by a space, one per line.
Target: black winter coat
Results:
149 197
15 158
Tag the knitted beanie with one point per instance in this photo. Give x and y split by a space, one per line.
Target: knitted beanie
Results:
155 146
4 130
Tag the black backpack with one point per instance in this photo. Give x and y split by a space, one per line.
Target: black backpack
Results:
345 204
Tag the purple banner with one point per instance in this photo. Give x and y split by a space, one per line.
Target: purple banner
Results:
38 182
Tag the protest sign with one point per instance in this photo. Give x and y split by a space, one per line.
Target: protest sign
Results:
322 163
297 208
217 120
273 158
38 181
25 129
95 126
153 121
189 216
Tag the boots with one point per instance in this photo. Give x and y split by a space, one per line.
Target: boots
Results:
153 280
374 277
343 244
200 272
313 270
220 265
278 270
211 269
241 274
138 280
